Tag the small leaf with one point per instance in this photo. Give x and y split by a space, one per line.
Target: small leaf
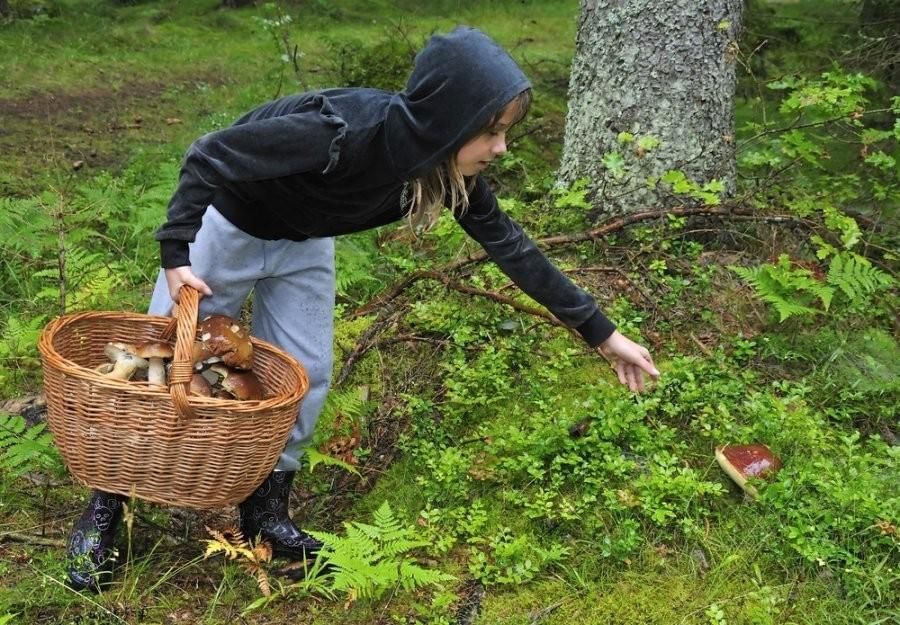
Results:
614 162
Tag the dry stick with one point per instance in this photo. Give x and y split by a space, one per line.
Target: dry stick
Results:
698 343
33 540
854 115
363 344
609 227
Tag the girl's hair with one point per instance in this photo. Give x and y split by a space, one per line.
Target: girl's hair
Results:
428 192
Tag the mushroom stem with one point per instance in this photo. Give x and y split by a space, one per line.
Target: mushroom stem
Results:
125 366
156 374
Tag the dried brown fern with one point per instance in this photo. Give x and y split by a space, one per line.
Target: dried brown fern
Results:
231 542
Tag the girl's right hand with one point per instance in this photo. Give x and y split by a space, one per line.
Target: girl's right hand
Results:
176 277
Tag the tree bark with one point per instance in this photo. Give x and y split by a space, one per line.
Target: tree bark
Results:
651 89
4 8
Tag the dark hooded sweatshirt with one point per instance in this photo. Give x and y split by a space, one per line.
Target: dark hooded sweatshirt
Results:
332 162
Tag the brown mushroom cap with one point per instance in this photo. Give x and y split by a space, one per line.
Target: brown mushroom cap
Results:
201 355
742 462
224 337
154 349
199 386
155 352
243 385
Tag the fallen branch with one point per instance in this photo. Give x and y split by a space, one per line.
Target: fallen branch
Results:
614 225
364 343
33 540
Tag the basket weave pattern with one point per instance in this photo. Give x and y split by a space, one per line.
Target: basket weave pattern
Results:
159 443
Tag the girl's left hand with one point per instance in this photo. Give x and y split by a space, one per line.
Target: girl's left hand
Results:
630 360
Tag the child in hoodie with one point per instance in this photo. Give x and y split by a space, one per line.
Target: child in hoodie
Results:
258 204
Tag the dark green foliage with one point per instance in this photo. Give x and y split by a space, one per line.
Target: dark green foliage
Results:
382 64
24 449
372 559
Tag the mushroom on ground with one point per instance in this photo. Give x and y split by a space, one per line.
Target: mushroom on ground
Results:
224 337
742 462
124 359
243 385
155 352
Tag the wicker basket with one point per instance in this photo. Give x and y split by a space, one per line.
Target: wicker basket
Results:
160 444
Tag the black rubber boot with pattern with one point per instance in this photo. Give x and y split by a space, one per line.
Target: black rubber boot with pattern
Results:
265 514
90 554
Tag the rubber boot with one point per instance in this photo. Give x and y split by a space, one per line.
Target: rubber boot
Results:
265 514
90 555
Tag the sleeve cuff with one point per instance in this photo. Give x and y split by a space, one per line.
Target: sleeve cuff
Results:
596 329
174 253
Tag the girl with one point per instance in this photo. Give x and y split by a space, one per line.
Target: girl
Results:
258 203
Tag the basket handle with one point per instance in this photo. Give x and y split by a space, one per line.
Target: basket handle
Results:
185 326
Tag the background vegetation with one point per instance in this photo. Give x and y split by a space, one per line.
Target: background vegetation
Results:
501 475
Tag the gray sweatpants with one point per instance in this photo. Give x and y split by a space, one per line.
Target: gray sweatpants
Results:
293 303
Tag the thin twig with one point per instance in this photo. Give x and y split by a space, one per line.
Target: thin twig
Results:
613 225
772 131
33 540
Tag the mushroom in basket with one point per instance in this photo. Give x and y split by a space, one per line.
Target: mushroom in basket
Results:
123 361
231 383
222 339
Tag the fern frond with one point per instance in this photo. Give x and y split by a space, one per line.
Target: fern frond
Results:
24 448
231 542
372 558
316 457
789 290
260 575
855 276
413 576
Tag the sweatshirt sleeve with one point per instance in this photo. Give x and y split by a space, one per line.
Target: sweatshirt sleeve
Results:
520 259
258 149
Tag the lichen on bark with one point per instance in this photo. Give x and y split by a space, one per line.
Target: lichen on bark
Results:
658 69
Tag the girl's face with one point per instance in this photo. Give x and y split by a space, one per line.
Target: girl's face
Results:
480 150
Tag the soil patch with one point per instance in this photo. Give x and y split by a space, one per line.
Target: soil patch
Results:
92 129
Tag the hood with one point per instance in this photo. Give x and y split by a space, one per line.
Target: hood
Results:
459 82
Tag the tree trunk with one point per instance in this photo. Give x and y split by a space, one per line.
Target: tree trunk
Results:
651 90
4 8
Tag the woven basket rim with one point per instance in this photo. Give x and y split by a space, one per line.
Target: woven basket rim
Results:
52 357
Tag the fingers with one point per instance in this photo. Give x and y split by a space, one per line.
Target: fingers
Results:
177 277
646 363
632 374
635 378
199 284
630 360
621 368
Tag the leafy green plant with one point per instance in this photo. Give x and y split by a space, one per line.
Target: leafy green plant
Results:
24 448
510 559
383 63
793 290
277 24
374 558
